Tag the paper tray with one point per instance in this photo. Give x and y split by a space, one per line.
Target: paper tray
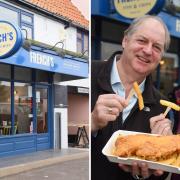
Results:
108 151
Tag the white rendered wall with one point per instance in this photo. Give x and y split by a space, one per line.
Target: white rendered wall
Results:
50 32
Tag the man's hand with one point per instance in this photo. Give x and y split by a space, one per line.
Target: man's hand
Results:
160 125
107 108
140 169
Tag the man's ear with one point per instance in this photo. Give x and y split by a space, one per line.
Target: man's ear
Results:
124 41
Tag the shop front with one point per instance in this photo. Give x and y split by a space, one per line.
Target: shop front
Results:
27 91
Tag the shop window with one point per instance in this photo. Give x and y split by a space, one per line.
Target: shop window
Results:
112 32
5 108
42 110
22 74
23 107
107 48
82 43
19 17
42 76
26 18
166 76
27 32
5 71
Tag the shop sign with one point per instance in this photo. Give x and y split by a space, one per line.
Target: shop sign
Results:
41 59
11 39
83 90
48 62
136 8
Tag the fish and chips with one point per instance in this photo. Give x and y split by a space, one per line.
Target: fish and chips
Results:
161 149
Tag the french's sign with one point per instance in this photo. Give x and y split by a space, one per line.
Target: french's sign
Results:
137 8
11 39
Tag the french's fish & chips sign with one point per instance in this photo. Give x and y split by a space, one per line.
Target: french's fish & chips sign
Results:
137 8
11 39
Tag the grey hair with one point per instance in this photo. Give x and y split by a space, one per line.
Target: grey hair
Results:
138 21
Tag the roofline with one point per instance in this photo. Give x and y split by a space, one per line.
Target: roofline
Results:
62 18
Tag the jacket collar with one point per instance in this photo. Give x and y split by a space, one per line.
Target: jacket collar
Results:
105 83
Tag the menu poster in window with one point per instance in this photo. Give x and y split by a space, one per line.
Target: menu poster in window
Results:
37 96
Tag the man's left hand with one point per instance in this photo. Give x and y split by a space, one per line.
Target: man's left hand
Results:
160 125
140 169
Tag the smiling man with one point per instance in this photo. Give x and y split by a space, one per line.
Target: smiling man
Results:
144 43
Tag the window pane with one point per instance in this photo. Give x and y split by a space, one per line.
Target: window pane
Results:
107 48
25 18
9 15
5 108
168 74
79 46
27 31
23 107
79 35
86 44
22 74
5 71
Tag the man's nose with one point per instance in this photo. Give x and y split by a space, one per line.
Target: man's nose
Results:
148 49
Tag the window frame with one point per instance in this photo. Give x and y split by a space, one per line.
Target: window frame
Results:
82 41
21 12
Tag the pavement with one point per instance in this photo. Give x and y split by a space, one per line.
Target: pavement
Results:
77 169
30 161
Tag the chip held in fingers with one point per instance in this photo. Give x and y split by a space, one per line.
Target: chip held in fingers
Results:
139 95
170 104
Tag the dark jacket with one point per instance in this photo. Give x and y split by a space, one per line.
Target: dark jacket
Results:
101 168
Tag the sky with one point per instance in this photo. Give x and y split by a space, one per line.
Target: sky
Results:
83 6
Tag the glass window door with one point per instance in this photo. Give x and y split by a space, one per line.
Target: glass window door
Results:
42 109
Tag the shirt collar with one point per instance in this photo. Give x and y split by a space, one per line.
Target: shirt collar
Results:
116 79
114 73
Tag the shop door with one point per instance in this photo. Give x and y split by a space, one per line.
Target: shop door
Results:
42 109
42 120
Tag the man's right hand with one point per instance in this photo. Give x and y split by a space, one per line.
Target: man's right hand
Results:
107 108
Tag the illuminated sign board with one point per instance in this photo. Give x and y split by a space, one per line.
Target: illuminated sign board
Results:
136 8
10 39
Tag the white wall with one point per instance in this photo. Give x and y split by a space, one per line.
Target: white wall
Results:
50 32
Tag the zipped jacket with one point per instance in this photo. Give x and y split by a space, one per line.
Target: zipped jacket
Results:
101 168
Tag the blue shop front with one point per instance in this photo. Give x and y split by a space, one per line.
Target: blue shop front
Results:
28 76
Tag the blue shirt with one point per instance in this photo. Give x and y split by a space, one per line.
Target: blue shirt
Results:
118 88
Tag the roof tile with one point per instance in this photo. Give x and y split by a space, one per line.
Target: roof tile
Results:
63 8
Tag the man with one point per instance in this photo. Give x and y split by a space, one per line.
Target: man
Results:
143 44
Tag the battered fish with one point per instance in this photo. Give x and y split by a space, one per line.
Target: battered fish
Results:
164 149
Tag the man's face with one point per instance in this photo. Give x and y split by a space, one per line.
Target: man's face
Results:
144 48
